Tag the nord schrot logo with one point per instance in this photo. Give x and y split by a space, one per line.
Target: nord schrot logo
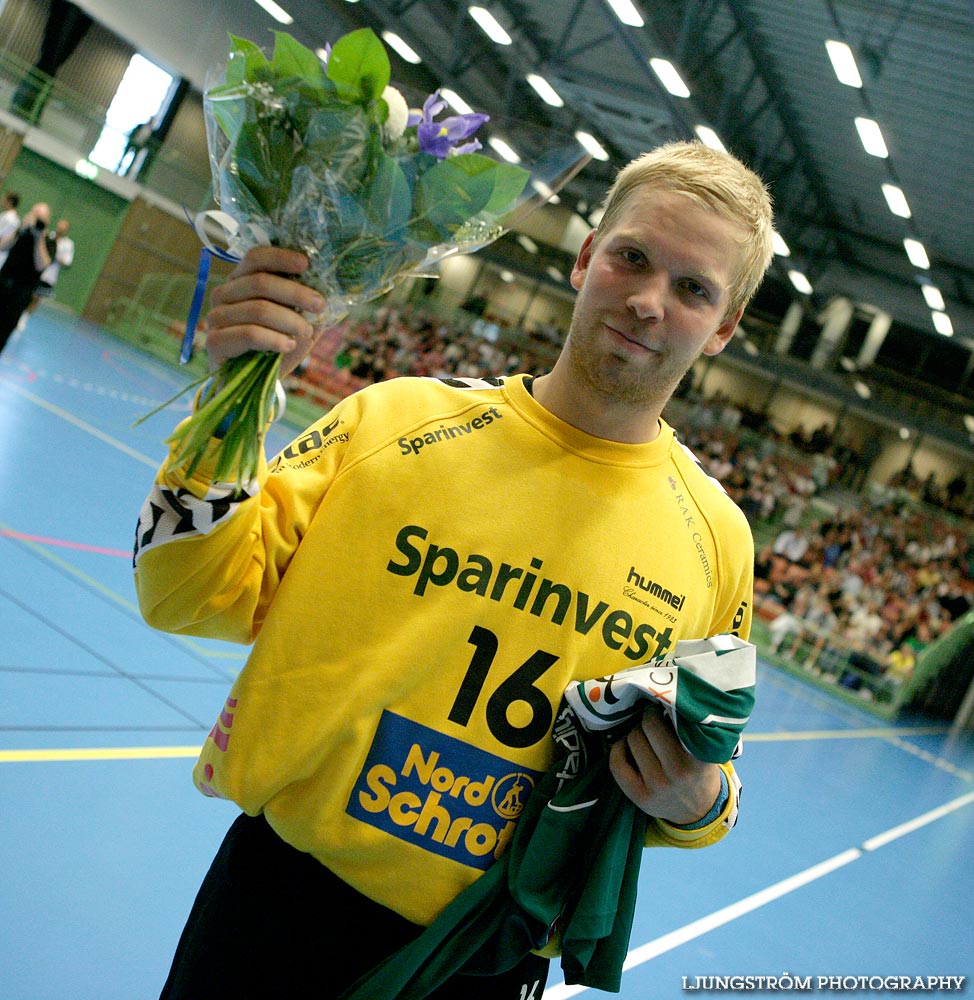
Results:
439 793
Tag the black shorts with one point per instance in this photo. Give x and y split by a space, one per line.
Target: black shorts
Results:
272 923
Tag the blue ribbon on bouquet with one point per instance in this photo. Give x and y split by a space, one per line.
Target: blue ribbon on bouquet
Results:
230 227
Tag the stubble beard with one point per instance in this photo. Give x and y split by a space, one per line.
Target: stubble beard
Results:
616 379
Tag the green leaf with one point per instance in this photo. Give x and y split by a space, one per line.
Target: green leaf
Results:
338 138
359 66
246 63
228 113
509 184
461 187
389 198
265 157
292 59
507 180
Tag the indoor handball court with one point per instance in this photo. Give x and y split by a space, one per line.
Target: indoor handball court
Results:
853 857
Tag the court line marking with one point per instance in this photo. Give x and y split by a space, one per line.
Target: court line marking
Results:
85 426
697 928
846 734
142 753
882 839
64 543
107 592
96 753
892 735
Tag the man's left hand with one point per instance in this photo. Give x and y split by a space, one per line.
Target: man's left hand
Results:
659 776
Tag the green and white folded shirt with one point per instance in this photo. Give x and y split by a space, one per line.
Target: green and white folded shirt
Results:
706 688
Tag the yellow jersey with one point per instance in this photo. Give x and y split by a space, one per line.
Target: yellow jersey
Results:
422 572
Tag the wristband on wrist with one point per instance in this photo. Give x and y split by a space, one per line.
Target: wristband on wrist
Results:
715 810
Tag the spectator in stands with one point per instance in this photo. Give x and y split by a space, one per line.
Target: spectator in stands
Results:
865 624
792 543
133 155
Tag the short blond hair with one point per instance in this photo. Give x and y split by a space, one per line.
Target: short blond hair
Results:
715 180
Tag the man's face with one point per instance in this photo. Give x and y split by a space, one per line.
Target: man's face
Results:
38 213
652 297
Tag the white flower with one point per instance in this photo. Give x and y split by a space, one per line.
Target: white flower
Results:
398 114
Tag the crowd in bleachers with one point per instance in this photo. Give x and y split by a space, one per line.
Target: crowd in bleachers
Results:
395 341
866 589
853 594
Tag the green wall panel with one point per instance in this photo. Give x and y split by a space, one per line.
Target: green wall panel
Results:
95 216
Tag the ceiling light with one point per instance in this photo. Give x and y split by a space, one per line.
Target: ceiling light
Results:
490 26
780 247
395 42
455 101
969 422
505 149
904 434
862 390
592 145
916 252
545 191
844 63
933 297
527 243
85 168
800 282
751 348
545 91
278 13
507 276
626 11
670 77
897 201
942 324
848 364
709 138
872 137
554 274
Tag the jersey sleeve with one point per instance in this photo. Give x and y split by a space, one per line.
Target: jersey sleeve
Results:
207 561
735 596
733 546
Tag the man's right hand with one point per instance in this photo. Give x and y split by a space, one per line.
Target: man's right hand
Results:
259 308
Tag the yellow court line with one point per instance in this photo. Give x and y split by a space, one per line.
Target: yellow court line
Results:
159 753
96 753
844 734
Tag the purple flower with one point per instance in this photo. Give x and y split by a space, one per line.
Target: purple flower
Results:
442 138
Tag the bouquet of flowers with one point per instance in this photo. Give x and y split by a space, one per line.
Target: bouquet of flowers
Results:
325 157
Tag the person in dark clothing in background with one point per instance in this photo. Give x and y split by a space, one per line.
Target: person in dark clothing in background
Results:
29 251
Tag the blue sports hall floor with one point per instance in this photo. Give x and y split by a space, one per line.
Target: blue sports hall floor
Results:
854 856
